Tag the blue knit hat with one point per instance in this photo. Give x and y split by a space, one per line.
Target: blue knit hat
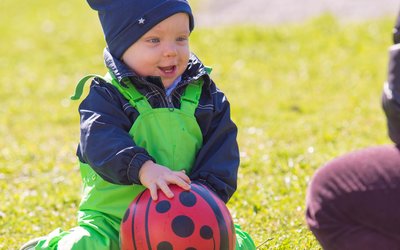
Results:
125 21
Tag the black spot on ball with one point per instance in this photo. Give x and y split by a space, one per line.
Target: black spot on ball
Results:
206 232
165 245
182 226
163 206
126 215
188 199
191 248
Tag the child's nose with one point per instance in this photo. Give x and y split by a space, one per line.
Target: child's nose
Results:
170 50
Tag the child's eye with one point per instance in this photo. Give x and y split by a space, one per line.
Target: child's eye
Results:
153 40
182 38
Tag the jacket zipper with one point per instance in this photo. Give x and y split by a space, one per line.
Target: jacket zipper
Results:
169 102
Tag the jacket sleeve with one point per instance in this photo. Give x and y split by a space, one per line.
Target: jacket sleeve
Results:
105 143
217 162
391 91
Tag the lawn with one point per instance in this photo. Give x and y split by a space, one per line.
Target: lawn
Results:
300 94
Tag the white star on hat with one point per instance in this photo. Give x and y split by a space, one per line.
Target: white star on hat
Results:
141 20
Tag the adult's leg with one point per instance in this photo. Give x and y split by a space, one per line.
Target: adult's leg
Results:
353 202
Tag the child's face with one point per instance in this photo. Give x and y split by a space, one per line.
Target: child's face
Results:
162 51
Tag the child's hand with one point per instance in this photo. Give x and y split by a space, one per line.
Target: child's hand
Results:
154 177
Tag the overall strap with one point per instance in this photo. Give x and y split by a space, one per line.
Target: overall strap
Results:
190 98
135 98
81 84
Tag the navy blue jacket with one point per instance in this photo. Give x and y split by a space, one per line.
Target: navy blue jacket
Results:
106 118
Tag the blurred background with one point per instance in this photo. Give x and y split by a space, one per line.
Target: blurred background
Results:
268 12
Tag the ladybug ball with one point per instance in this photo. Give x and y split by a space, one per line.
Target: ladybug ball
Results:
192 220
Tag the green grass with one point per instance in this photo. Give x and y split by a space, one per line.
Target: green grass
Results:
300 95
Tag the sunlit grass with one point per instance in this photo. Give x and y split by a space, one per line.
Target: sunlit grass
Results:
300 95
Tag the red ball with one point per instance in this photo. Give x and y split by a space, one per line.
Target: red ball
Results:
195 219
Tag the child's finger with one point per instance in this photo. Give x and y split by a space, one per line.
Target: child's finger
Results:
181 182
153 191
183 176
165 189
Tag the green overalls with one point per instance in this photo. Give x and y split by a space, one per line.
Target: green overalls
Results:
171 136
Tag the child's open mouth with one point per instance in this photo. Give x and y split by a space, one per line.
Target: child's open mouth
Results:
168 69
